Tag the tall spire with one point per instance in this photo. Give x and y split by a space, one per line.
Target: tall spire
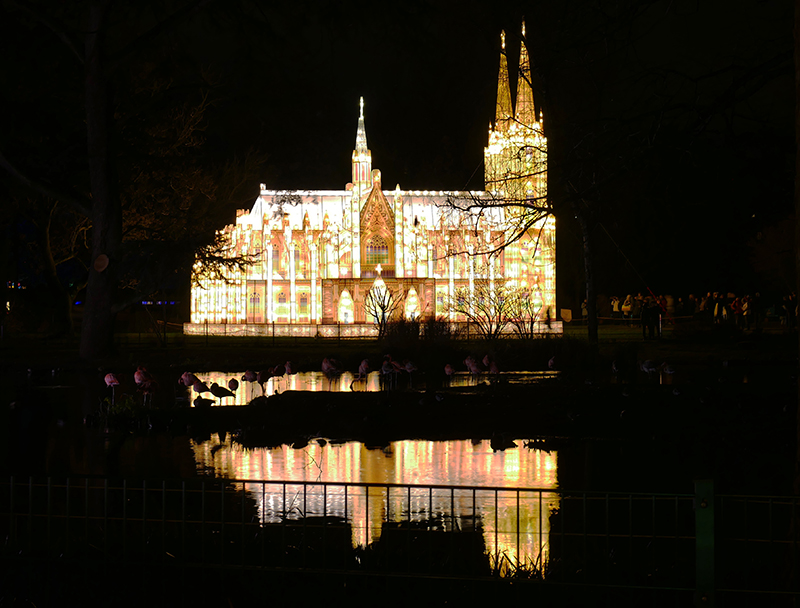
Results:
504 113
362 157
525 110
361 134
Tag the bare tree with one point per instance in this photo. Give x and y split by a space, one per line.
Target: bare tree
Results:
382 305
488 305
527 313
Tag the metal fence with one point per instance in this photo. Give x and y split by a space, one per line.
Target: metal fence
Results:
659 549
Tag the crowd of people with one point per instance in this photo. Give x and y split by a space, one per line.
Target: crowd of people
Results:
715 308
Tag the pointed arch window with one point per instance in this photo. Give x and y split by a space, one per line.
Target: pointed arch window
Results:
377 251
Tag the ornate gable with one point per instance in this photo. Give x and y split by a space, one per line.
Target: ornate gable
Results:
376 215
377 235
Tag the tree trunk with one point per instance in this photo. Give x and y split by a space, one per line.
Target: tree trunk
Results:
97 334
62 304
588 268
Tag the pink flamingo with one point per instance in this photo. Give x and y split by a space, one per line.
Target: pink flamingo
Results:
491 365
233 384
200 387
141 375
187 379
111 382
262 378
472 365
363 372
148 389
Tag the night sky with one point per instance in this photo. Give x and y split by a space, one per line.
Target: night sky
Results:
673 121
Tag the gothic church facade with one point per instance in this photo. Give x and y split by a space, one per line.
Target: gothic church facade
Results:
317 254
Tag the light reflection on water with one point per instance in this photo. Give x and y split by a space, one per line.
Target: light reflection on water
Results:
317 382
403 462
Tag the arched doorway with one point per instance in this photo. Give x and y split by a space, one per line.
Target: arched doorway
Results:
345 311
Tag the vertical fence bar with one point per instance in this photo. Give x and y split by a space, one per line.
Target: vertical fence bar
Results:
704 542
222 520
608 534
144 518
496 539
242 539
30 513
86 510
631 577
105 523
11 519
203 521
124 519
183 521
163 520
518 531
541 532
49 509
262 525
66 520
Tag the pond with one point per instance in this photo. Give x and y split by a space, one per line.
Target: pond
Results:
514 524
316 381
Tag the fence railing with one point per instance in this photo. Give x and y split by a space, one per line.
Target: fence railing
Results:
697 545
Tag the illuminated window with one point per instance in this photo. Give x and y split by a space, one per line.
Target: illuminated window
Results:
303 303
255 299
377 251
276 259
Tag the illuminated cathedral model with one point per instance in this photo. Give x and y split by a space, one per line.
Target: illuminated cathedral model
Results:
317 255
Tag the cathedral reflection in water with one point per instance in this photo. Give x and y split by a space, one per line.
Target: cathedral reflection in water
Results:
515 524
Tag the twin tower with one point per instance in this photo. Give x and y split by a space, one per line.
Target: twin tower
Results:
515 160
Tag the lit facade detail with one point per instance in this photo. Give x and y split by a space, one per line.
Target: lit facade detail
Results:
317 254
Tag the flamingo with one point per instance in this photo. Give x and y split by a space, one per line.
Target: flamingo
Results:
491 365
112 383
141 375
472 365
648 367
363 372
249 376
262 378
148 388
220 391
388 371
551 364
202 402
200 387
289 368
330 367
187 379
409 368
233 384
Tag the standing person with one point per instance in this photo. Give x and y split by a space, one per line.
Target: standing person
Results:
736 310
644 317
614 307
585 312
747 312
690 307
627 307
638 305
758 312
719 307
